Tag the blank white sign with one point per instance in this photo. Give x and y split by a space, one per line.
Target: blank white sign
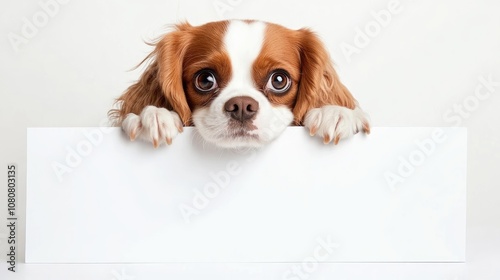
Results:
396 195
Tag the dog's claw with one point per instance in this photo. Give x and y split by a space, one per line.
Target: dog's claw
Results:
366 128
180 128
313 130
133 134
336 139
326 139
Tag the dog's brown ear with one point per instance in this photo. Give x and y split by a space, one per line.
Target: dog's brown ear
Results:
319 83
161 83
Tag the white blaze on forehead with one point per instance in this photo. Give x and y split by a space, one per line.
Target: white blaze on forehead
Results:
243 42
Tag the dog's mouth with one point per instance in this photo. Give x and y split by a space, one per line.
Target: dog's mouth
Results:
238 129
242 134
242 131
239 135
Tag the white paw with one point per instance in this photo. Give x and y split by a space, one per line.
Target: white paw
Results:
335 122
156 125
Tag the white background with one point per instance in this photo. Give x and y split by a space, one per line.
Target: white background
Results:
427 59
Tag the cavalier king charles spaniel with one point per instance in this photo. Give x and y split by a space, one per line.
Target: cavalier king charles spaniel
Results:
240 83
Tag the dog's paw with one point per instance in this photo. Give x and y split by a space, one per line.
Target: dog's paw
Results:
155 125
336 122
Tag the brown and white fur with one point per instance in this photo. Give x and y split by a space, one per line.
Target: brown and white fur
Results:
240 83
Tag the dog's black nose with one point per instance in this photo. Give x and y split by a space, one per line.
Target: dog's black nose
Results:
241 108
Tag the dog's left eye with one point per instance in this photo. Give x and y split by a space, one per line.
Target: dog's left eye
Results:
205 81
279 82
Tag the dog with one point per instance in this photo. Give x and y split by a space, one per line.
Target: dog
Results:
240 83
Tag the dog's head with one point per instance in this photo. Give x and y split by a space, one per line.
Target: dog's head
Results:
241 83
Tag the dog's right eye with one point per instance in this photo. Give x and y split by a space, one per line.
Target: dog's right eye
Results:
279 82
205 81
